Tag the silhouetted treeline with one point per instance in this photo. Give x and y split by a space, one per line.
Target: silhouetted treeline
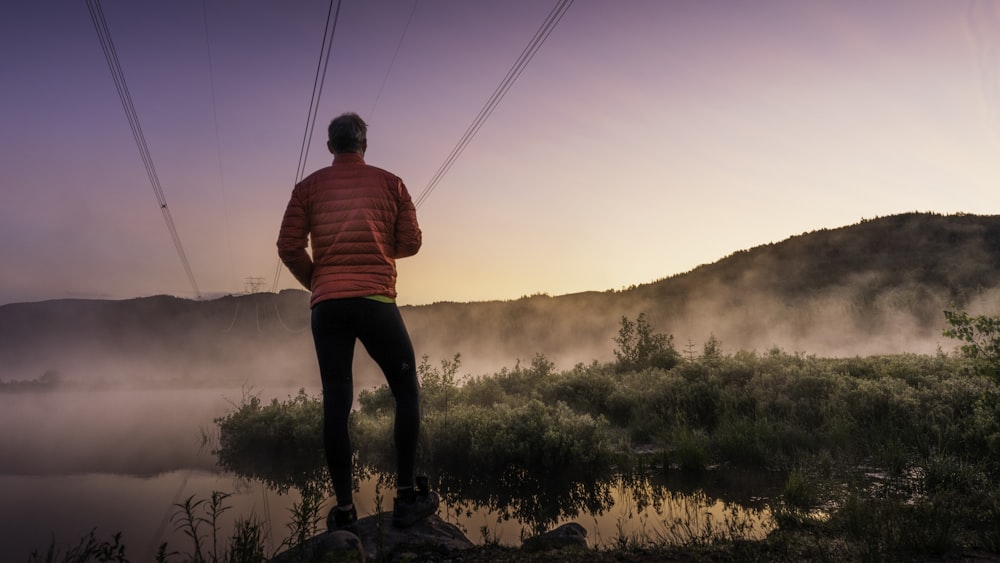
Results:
876 287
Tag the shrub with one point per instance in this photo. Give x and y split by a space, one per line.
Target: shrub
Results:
438 387
981 337
482 391
523 382
639 347
799 492
533 436
584 389
691 448
744 441
279 443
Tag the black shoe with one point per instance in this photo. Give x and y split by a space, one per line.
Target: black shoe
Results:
346 520
419 504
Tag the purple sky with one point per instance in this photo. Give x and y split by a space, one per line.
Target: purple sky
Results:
644 138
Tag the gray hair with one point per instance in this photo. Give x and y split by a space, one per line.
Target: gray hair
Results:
348 133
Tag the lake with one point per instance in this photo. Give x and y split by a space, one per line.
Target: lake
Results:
119 460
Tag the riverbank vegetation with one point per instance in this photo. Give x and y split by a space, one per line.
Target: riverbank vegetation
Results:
882 457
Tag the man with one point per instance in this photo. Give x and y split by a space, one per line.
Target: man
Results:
359 219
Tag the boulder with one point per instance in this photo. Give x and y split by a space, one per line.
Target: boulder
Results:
377 539
339 546
431 531
570 534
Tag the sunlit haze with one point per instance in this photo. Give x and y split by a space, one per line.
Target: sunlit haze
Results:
643 139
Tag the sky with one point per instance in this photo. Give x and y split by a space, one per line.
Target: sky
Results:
644 138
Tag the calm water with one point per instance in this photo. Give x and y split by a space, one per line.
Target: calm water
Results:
118 461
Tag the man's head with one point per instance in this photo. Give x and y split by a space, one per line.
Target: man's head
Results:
348 133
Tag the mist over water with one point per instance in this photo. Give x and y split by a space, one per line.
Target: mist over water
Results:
119 460
140 432
128 435
116 459
108 408
39 509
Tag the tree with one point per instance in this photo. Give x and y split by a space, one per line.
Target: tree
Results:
639 347
981 335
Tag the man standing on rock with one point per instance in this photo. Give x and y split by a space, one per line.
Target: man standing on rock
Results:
359 220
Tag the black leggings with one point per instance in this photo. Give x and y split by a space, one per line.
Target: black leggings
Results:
336 324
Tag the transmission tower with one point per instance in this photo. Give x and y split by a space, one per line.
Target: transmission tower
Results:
253 284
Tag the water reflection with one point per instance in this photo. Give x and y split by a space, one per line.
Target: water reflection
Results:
651 511
276 469
105 452
641 507
537 501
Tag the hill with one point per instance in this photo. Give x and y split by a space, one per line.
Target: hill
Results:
876 287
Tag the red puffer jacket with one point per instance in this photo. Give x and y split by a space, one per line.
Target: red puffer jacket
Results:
360 219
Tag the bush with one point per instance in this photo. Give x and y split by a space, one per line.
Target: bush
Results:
639 347
799 492
536 437
981 337
584 389
279 443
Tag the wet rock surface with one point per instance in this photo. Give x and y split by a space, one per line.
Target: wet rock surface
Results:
568 535
431 540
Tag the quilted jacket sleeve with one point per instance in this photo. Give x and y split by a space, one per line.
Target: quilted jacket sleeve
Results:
293 238
408 235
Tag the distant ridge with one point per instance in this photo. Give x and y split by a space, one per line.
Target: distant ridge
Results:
876 287
879 286
957 253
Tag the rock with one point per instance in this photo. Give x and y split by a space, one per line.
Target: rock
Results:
377 539
567 535
336 546
430 531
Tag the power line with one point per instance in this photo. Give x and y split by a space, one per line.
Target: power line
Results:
529 52
218 142
515 71
324 61
104 35
392 63
317 92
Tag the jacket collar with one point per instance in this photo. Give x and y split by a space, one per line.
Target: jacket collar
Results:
348 158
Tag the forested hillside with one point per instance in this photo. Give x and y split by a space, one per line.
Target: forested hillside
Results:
879 286
876 287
